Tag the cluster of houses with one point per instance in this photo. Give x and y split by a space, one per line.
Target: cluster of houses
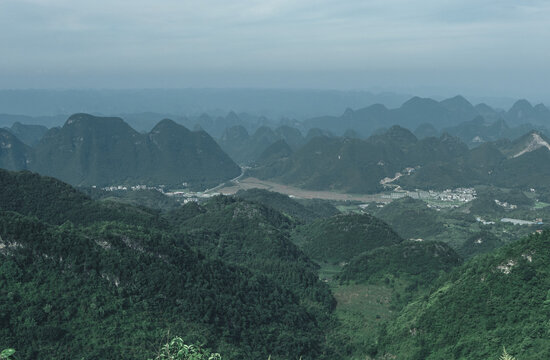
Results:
159 188
183 196
463 195
505 205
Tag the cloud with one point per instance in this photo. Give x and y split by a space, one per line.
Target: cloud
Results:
182 38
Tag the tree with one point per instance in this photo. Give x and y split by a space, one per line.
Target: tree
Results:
6 354
176 349
505 355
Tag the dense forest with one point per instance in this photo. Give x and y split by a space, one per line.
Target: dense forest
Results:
258 275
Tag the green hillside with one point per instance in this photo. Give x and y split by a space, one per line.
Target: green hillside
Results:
256 236
342 237
55 202
411 219
358 166
495 300
415 261
300 210
106 283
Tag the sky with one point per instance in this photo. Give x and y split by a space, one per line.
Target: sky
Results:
430 47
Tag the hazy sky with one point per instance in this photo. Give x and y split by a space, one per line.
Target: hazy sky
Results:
481 47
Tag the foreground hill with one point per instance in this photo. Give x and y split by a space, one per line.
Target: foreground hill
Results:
103 283
411 218
341 237
299 210
416 261
493 301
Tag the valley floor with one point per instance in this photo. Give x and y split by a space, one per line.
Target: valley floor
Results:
254 183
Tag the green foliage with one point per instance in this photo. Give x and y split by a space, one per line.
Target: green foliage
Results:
420 262
357 166
176 349
151 199
56 202
411 218
506 356
494 299
6 354
104 285
300 210
256 236
340 238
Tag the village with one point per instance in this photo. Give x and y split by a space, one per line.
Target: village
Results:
181 195
454 197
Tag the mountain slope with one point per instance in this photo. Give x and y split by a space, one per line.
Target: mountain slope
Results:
90 150
28 134
14 155
102 287
493 301
355 165
341 237
414 260
246 149
251 234
299 210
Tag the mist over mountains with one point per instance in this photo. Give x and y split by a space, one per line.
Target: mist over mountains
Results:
353 152
90 150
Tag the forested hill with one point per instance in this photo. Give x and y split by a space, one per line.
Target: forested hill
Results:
341 237
397 157
102 285
90 150
495 300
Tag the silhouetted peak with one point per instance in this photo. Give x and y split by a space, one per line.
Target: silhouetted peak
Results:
400 134
416 102
237 132
169 125
232 116
348 113
457 102
522 105
541 108
91 121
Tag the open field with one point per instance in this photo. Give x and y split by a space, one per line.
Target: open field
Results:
253 183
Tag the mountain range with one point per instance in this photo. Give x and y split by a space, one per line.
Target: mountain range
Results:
420 111
245 148
90 150
397 157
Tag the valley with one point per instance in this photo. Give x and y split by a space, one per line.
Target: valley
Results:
322 243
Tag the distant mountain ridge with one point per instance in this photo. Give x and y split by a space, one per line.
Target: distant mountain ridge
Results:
397 157
246 148
420 111
90 150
